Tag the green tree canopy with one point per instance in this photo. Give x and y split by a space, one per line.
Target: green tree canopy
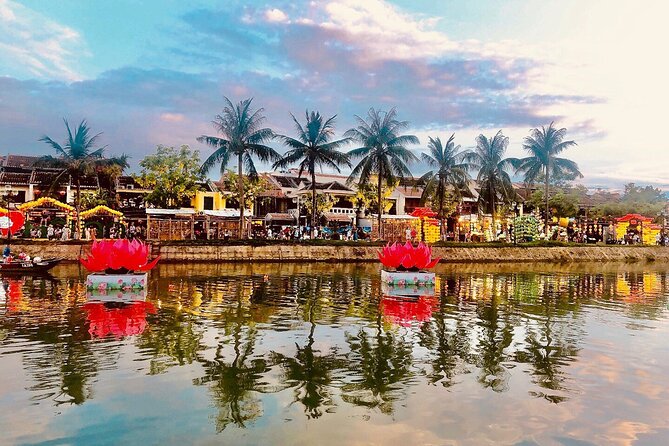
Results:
543 146
313 148
253 187
79 157
383 151
242 137
448 180
172 175
493 171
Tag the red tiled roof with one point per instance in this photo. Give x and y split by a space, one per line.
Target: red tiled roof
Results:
22 161
15 178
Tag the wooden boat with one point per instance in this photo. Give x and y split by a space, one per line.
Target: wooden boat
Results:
29 267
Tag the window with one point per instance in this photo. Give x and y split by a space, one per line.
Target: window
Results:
208 203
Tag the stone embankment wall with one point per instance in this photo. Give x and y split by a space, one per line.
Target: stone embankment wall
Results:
170 252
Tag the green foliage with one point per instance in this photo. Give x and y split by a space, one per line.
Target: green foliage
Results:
382 150
543 146
367 195
78 157
648 201
252 187
448 180
563 203
324 202
101 197
243 137
648 194
493 176
172 175
314 148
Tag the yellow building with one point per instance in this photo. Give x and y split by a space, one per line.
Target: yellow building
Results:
208 201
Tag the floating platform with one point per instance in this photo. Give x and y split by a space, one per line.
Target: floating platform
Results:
106 284
407 283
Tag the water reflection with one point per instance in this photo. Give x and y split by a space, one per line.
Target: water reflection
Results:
265 341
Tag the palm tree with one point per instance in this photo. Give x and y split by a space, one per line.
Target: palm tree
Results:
449 168
243 137
543 146
314 148
383 150
78 158
493 179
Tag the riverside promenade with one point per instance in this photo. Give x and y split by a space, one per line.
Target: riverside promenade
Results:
274 251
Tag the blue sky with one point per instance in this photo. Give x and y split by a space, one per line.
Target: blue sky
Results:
155 72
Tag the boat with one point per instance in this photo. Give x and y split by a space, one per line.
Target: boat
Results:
30 266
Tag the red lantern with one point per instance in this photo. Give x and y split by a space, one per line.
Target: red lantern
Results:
11 221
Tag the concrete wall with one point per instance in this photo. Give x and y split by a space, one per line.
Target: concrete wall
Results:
305 253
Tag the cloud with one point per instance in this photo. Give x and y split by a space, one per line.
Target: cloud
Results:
276 15
39 47
339 57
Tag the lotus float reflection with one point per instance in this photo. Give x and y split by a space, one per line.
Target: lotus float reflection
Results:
404 311
120 314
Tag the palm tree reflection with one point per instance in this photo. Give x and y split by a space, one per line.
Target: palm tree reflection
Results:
310 373
379 368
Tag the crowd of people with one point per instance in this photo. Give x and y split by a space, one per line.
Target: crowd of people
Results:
351 232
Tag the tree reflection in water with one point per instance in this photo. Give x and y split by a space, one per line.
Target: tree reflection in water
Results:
379 368
235 333
446 338
235 380
309 373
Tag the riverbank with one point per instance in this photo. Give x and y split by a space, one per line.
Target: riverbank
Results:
257 251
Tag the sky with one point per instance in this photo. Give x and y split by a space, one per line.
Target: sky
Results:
155 72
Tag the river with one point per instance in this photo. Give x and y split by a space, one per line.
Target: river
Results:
313 354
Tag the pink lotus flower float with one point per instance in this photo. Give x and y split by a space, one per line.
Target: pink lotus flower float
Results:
407 257
123 262
408 263
118 256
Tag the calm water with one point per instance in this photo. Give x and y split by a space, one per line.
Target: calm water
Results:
312 354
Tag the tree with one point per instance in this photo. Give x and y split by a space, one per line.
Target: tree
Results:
314 148
171 174
449 174
253 187
367 195
324 202
544 145
101 197
77 158
648 194
383 151
243 137
493 179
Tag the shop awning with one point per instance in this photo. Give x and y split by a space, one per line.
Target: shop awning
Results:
278 217
331 216
225 213
184 212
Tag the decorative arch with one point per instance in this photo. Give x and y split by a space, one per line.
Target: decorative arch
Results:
45 201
